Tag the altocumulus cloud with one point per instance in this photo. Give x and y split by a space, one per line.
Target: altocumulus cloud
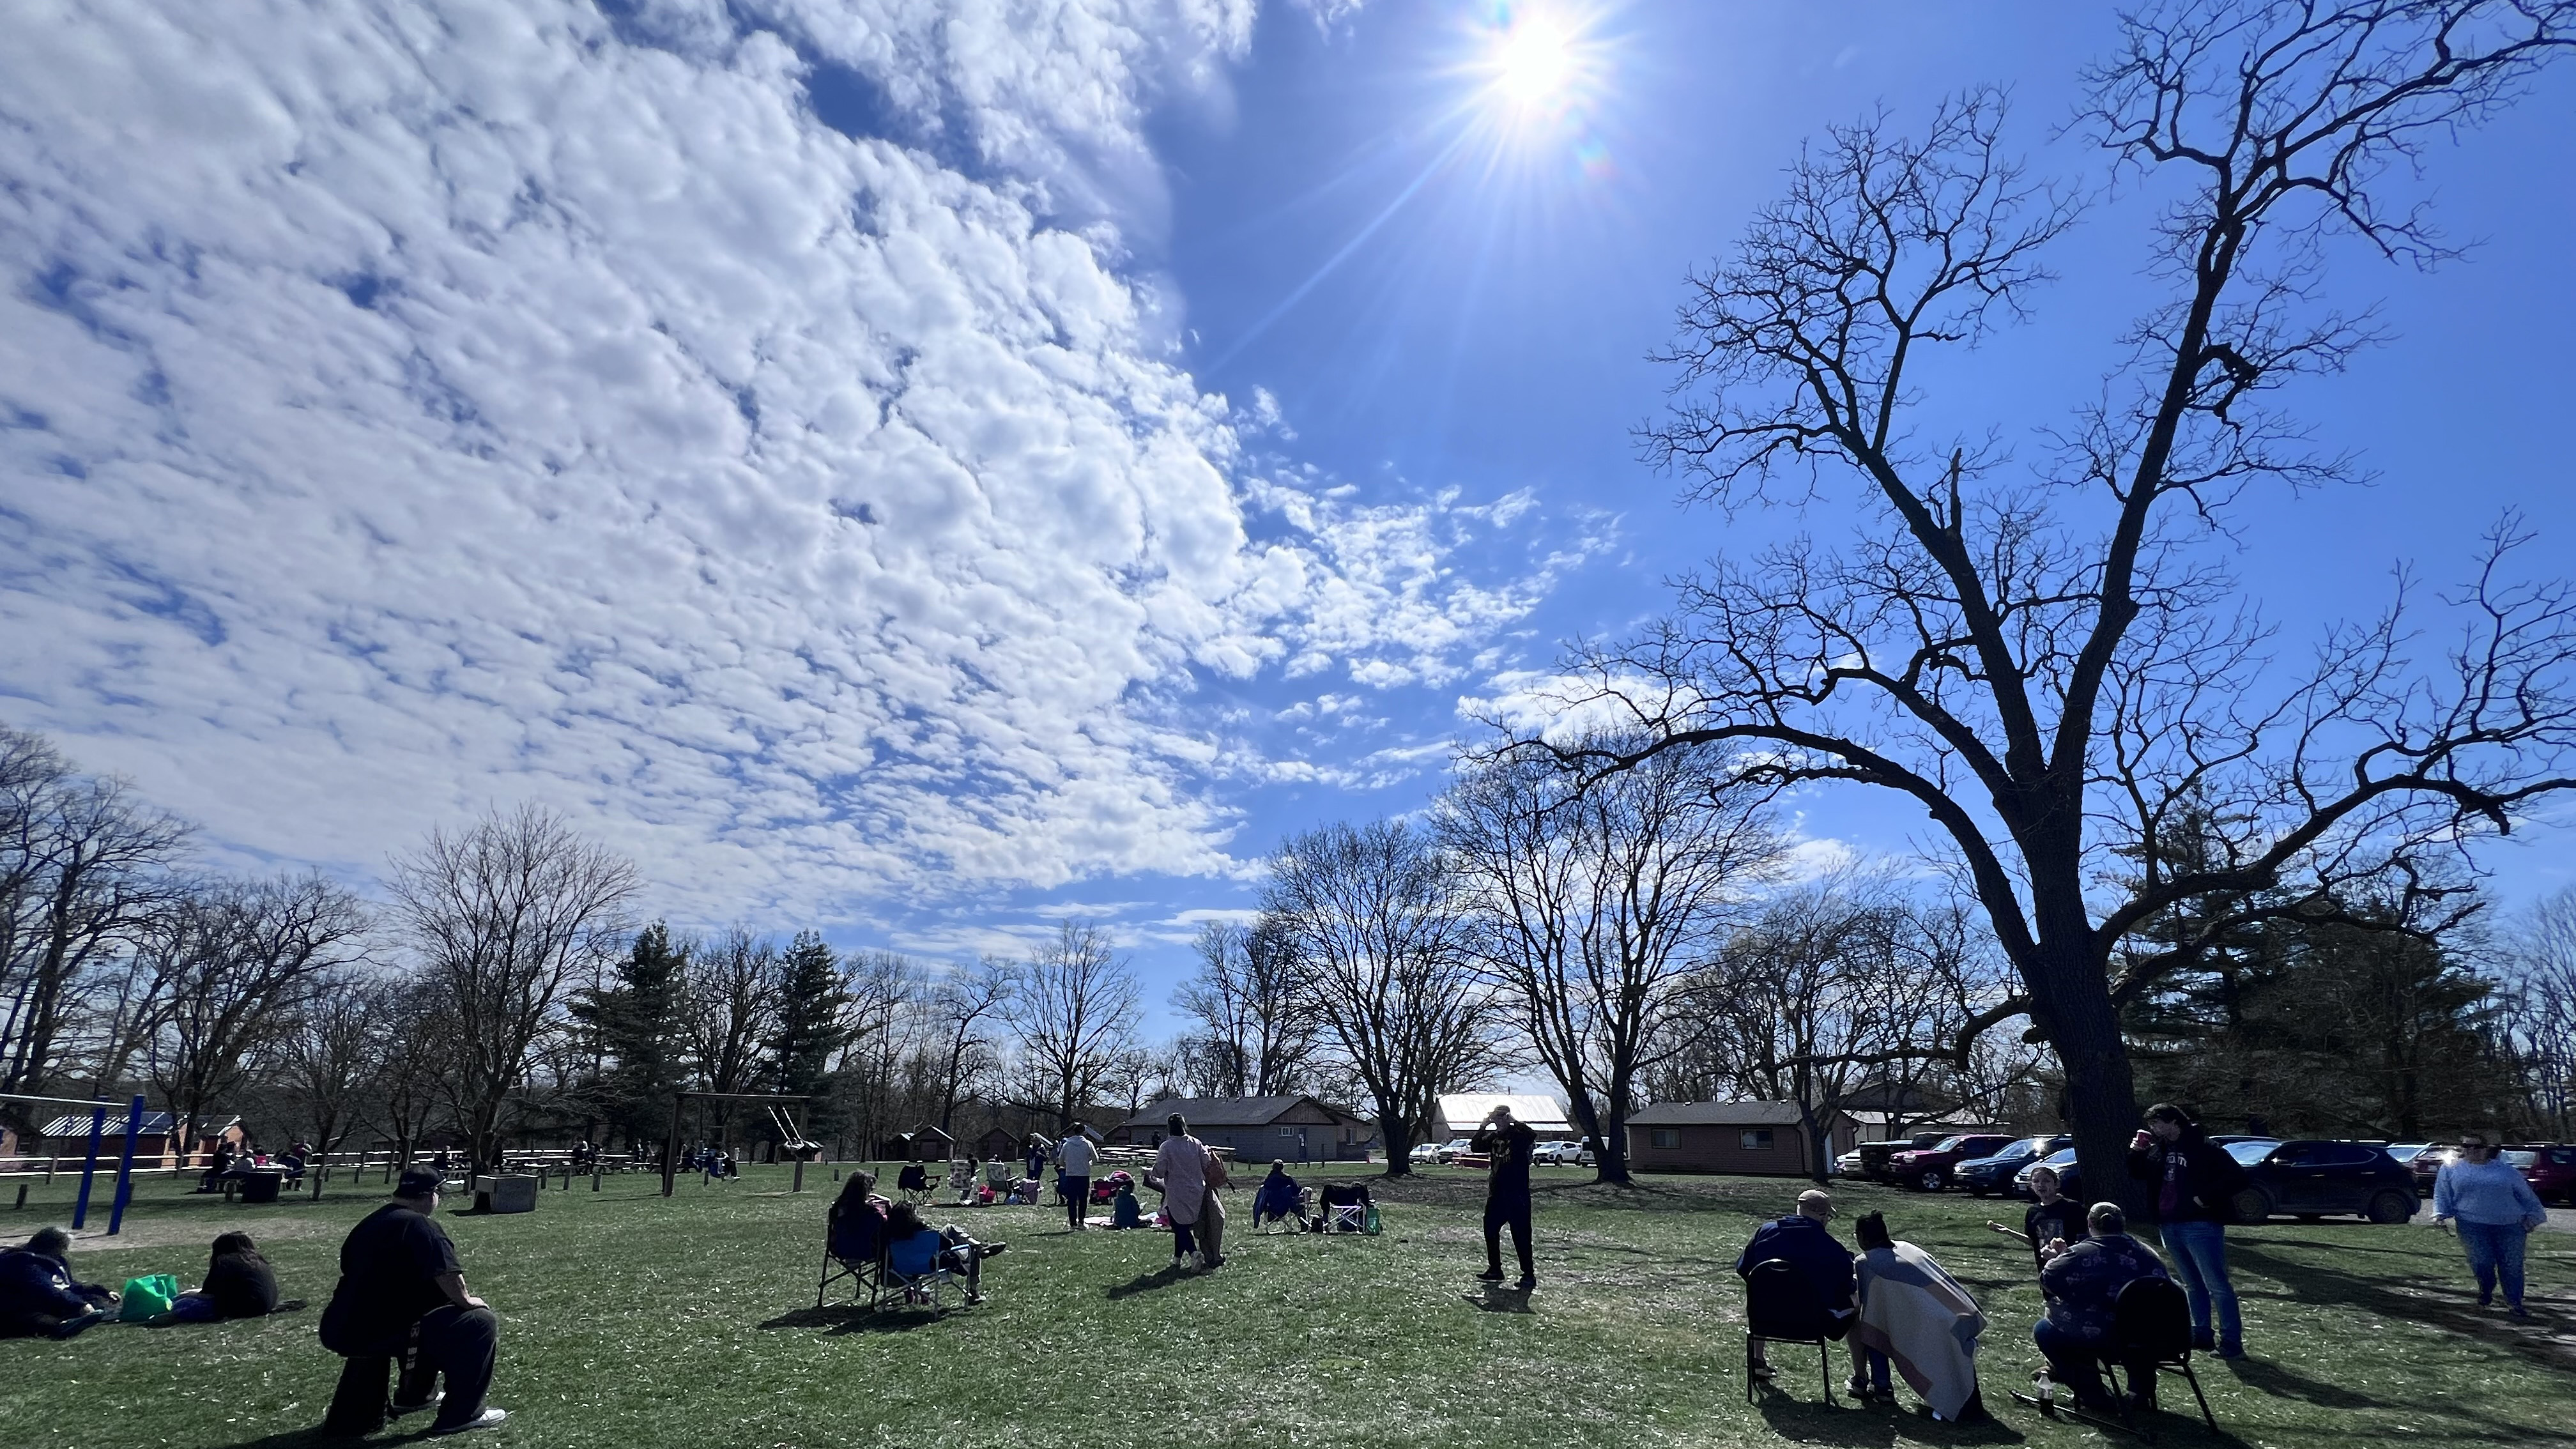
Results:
730 423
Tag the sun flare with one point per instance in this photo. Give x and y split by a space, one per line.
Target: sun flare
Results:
1533 60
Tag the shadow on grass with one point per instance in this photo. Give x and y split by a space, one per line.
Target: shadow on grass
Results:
2316 1284
1495 1298
1148 1282
841 1318
1811 1421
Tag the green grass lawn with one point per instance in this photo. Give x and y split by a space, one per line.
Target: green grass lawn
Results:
631 1321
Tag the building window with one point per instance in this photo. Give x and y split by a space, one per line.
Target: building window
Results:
1754 1139
1666 1136
1287 1131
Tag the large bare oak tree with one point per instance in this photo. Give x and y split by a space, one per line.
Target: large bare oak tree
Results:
2055 668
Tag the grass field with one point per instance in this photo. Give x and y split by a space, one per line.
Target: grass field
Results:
631 1321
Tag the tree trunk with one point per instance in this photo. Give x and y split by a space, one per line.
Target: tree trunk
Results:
2071 1000
1610 1147
1398 1132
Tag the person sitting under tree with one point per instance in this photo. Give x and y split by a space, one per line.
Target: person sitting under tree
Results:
402 1288
2083 1284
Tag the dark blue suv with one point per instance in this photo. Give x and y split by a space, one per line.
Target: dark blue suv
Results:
1984 1175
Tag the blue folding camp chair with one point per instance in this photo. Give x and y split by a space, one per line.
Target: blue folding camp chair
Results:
852 1251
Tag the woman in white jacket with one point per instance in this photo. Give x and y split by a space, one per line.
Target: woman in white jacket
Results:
1181 1171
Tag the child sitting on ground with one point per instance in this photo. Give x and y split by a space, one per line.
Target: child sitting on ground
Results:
239 1284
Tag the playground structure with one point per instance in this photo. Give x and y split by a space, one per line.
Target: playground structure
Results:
791 1130
98 1111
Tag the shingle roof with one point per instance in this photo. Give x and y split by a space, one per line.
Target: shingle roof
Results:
1217 1111
1716 1114
1463 1110
78 1126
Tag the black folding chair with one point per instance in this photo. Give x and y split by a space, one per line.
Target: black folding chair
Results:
865 1272
1781 1306
2151 1333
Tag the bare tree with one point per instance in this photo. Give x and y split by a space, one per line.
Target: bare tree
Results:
2538 1012
1369 920
883 996
504 916
1590 907
2051 669
232 970
964 1003
733 996
331 1054
1256 1028
84 867
1073 1009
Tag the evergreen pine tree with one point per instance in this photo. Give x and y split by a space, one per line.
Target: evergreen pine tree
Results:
810 1027
636 1023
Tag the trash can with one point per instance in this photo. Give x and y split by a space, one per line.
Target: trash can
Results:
510 1193
260 1185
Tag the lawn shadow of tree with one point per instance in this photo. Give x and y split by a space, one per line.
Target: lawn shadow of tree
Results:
2449 1310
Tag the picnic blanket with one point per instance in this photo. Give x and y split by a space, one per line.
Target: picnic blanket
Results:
1917 1314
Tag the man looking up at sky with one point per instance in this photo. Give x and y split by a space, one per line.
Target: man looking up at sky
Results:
1506 1143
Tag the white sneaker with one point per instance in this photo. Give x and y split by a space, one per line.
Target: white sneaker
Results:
398 1408
492 1419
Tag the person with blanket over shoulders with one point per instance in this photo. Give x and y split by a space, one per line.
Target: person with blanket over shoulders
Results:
1914 1312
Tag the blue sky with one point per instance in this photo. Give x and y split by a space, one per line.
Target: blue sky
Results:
925 470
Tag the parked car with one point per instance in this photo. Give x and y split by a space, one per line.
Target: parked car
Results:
1564 1152
2427 1165
1455 1148
2310 1179
1424 1152
2552 1170
1928 1169
2070 1179
1994 1172
1875 1156
1848 1165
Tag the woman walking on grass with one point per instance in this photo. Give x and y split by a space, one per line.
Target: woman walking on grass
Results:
2494 1209
1181 1172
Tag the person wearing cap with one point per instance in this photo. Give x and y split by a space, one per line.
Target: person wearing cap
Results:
1802 1241
401 1291
1507 1145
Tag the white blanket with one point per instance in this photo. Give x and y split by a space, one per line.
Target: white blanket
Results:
1918 1315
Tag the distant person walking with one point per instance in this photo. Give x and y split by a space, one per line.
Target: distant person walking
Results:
1074 1158
2196 1183
1507 1144
1180 1173
2492 1207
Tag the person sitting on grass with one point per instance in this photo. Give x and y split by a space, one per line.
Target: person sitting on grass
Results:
914 1248
1802 1241
1277 1198
2083 1284
239 1283
39 1297
1124 1210
402 1295
856 1225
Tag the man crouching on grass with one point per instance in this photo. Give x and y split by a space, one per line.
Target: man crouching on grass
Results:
402 1296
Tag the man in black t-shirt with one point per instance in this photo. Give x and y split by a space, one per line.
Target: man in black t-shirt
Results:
1507 1144
402 1295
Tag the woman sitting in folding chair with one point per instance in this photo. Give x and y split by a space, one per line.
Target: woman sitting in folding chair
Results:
922 1260
854 1237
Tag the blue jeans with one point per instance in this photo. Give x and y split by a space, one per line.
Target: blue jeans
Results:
1876 1363
2495 1251
2200 1259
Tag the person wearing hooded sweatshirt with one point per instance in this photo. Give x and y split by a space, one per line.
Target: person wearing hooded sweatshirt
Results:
239 1283
39 1297
2196 1183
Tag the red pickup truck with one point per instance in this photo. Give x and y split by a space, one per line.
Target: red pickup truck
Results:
1929 1168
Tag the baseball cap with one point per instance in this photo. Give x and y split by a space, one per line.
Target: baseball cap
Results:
1816 1197
417 1182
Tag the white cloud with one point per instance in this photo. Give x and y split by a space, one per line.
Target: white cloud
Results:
403 410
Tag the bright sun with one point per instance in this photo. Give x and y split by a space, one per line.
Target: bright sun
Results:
1533 60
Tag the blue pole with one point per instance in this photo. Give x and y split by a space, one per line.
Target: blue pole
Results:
125 1168
97 1128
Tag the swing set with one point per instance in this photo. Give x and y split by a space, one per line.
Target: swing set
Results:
789 1126
89 1165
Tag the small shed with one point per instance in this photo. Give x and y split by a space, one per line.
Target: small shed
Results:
997 1145
928 1144
68 1136
1459 1114
1759 1139
1256 1129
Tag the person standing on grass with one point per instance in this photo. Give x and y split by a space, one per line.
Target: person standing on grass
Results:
2491 1205
1507 1144
2196 1183
402 1291
1074 1157
1180 1174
